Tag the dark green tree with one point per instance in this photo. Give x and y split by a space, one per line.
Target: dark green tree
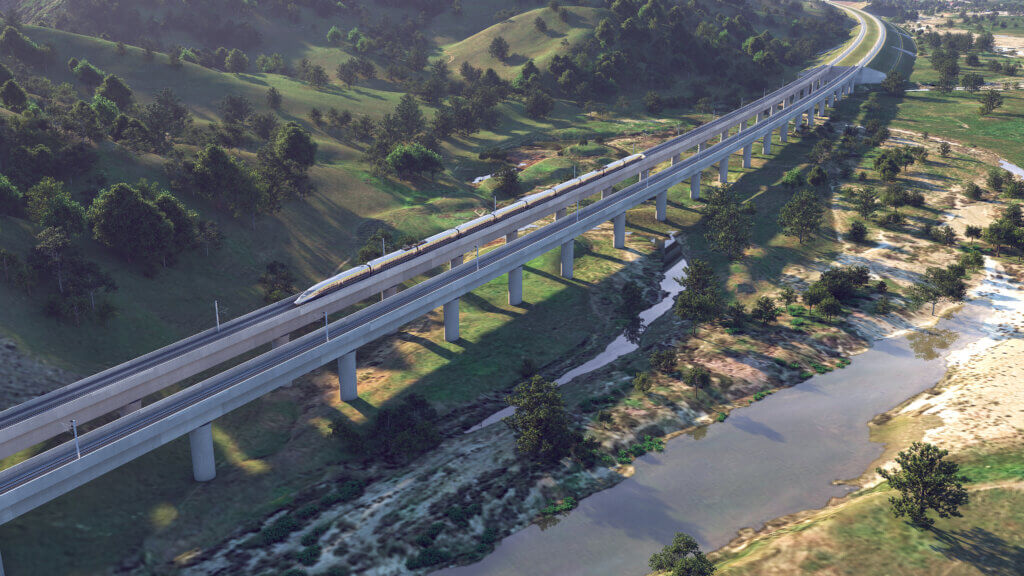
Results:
506 182
51 205
925 481
682 558
274 98
277 282
541 423
236 61
409 117
701 300
802 215
990 100
728 224
829 307
498 48
538 104
765 310
10 197
413 159
13 96
894 83
115 90
130 225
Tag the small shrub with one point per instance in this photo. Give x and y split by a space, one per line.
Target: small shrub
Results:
279 530
310 555
555 508
721 417
858 232
798 322
805 375
642 382
428 557
762 395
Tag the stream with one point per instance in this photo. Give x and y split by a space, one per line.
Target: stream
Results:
776 457
622 345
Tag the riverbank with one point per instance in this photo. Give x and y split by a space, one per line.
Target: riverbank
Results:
977 413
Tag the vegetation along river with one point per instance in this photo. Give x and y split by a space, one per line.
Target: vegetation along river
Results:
778 456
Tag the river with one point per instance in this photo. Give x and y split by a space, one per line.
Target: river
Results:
776 457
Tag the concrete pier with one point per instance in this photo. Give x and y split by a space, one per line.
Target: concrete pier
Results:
204 466
748 151
389 292
701 147
619 225
451 321
457 261
766 146
515 286
567 258
784 133
661 206
607 192
723 170
347 383
695 186
725 134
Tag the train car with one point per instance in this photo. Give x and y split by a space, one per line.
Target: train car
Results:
534 199
474 224
566 186
593 175
439 239
388 260
333 283
514 208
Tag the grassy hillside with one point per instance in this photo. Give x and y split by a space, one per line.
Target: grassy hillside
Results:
525 41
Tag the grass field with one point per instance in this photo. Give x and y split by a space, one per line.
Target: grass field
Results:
894 55
870 38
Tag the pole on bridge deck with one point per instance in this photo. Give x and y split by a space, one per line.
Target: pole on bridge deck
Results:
216 314
74 428
1 565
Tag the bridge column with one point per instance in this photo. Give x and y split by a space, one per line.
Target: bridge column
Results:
515 286
389 292
200 440
725 134
560 213
766 147
607 192
784 133
695 186
810 117
643 175
723 170
747 151
451 321
743 126
661 206
348 385
457 261
567 258
619 225
701 147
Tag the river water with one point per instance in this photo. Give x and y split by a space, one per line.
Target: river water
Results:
778 456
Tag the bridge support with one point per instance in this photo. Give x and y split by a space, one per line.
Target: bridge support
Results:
643 175
743 126
723 171
661 206
560 213
619 231
810 117
766 147
607 192
675 160
515 286
389 292
348 385
748 150
204 467
725 134
695 186
784 133
567 258
457 261
451 321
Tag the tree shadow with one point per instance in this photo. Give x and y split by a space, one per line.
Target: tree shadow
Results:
989 553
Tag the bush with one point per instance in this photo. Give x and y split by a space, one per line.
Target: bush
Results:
858 232
428 557
664 361
279 530
973 191
310 555
642 382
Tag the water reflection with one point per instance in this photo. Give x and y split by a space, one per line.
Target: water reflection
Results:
929 344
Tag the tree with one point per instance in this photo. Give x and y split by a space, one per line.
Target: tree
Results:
13 96
53 246
682 557
184 222
788 295
10 197
408 116
973 232
663 361
541 423
346 72
499 48
130 225
413 159
793 178
538 104
698 377
701 299
277 282
972 81
728 224
990 100
507 183
653 102
274 98
87 73
236 61
802 215
925 481
51 205
829 307
894 196
235 109
540 25
894 84
334 36
293 144
866 202
858 232
765 310
944 149
166 115
994 179
115 90
642 382
939 284
999 233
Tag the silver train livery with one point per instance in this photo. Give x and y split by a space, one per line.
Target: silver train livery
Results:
440 239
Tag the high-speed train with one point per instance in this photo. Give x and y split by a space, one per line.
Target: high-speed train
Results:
440 239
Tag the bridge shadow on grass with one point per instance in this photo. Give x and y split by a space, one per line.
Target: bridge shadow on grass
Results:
989 553
485 306
428 344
